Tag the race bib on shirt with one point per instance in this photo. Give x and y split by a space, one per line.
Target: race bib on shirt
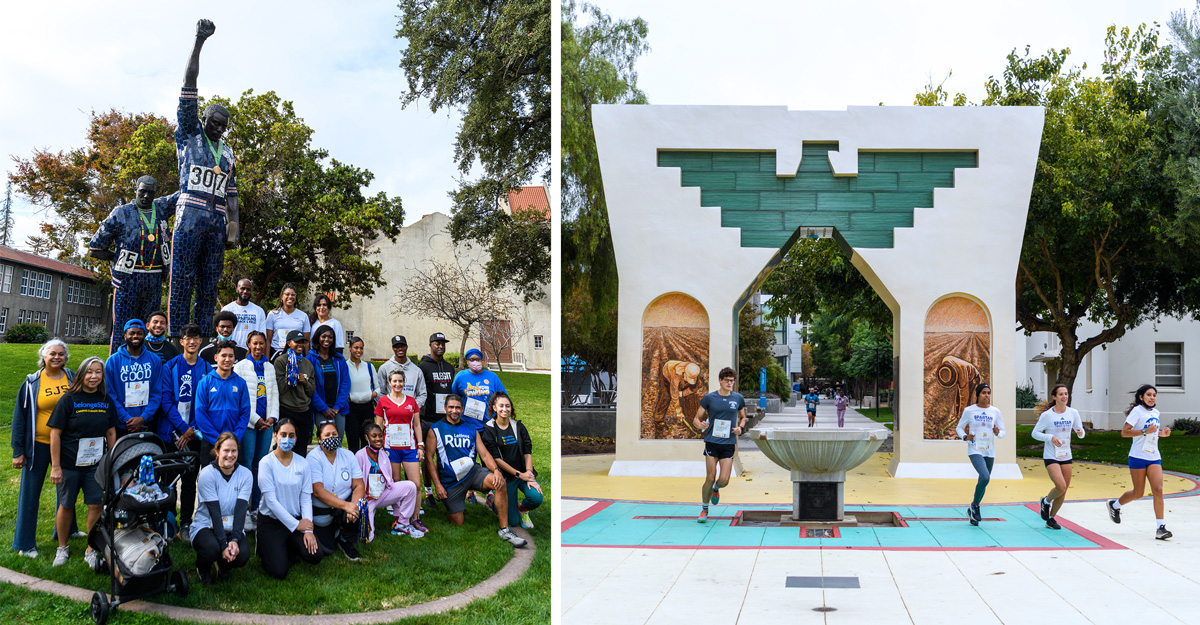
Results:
439 402
90 451
462 466
375 485
126 261
400 435
137 393
476 409
1060 452
205 180
983 440
721 428
185 411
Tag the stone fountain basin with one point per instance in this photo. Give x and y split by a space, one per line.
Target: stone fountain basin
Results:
808 451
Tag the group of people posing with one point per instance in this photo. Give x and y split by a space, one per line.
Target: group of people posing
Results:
249 402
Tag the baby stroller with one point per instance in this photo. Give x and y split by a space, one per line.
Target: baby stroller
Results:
129 534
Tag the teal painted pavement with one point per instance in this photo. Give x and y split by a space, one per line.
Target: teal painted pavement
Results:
931 528
864 209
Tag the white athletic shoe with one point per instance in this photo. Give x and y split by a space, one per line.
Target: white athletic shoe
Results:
91 556
31 553
507 534
60 556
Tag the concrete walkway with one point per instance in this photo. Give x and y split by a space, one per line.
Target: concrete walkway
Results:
628 559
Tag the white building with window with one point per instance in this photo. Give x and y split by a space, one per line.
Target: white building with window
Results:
1152 353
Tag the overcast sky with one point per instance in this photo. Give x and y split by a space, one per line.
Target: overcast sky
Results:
338 62
830 54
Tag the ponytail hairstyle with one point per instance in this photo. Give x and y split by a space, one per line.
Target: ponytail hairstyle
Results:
1048 402
368 426
1138 396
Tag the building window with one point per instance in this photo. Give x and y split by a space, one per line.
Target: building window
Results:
1088 369
49 286
537 342
24 281
3 319
8 273
21 316
1168 365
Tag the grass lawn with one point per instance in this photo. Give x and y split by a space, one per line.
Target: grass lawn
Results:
885 416
1180 453
403 571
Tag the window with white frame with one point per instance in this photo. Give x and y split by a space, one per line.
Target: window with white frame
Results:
537 342
3 319
24 281
21 316
1168 365
8 274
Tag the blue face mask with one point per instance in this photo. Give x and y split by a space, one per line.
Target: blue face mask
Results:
287 444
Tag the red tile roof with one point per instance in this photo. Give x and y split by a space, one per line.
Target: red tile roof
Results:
8 253
530 197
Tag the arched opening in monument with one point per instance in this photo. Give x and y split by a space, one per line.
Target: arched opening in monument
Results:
675 335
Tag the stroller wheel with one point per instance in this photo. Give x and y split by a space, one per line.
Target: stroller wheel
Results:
100 608
179 581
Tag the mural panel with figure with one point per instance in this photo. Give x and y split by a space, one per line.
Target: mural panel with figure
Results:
674 366
957 358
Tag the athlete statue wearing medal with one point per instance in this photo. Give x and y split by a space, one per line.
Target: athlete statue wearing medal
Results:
206 216
139 233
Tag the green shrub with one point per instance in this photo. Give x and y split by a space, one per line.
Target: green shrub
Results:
27 333
1026 398
1186 425
777 381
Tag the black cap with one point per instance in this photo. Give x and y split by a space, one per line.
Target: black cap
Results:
295 335
436 337
399 340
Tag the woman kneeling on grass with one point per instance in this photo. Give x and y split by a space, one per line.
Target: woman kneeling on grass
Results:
224 487
382 489
285 523
337 483
508 441
1145 461
83 425
1054 428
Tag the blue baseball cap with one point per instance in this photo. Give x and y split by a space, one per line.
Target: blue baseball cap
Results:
475 352
134 323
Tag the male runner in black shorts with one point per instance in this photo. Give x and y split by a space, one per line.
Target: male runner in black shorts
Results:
727 416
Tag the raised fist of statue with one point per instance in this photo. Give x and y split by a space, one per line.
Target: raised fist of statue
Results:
205 29
231 235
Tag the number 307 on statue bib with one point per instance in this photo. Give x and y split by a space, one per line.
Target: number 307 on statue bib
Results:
205 180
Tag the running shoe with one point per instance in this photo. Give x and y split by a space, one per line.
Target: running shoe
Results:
205 576
1052 524
60 556
716 495
491 503
91 557
1113 513
29 553
471 498
185 534
79 534
420 526
404 529
973 515
703 518
507 534
249 525
349 550
525 521
1045 509
1162 533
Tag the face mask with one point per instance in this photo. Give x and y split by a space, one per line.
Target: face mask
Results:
376 449
331 443
475 365
287 444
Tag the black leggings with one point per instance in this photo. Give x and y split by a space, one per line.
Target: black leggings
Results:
355 439
277 547
187 486
337 531
208 551
304 428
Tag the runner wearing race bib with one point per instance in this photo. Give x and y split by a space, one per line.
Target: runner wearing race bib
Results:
980 424
207 211
382 490
726 412
1054 427
133 379
1145 461
140 236
476 385
400 418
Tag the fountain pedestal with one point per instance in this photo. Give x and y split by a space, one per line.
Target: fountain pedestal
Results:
818 459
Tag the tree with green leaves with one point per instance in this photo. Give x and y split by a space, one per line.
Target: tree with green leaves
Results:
490 61
815 278
1102 240
304 220
598 58
754 347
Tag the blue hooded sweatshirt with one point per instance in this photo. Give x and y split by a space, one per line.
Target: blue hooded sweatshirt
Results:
221 405
179 386
341 403
131 380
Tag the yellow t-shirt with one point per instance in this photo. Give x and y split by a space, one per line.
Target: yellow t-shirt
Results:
48 393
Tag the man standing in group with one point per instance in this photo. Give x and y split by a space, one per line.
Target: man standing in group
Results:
250 316
726 412
477 385
414 380
156 336
206 219
181 377
439 377
133 379
455 472
138 232
225 321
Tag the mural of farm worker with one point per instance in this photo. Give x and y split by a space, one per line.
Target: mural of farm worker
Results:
960 375
207 219
678 394
139 234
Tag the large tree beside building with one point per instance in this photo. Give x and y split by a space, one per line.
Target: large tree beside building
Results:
490 61
598 57
305 218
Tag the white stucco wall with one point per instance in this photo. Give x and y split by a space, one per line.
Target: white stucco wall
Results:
968 243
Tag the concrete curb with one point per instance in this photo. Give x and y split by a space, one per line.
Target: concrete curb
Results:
512 571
